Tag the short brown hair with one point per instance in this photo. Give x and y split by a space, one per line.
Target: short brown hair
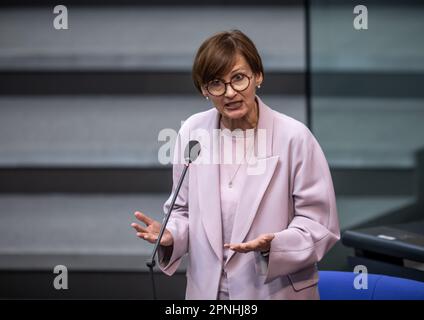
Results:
217 54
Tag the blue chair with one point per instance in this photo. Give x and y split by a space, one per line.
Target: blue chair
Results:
337 285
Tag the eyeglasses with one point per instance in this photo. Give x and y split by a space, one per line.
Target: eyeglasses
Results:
239 82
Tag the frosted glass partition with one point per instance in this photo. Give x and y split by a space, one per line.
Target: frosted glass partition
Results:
367 104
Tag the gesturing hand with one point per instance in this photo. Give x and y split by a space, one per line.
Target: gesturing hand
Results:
261 243
150 233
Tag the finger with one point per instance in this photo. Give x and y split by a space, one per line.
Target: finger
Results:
234 247
138 228
147 236
240 249
141 235
143 218
231 245
246 246
250 246
237 247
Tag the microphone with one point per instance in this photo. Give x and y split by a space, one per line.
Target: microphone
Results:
191 152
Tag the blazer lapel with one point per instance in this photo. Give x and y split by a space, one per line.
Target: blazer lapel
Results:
210 205
208 192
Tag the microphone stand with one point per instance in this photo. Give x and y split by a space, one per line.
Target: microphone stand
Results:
151 262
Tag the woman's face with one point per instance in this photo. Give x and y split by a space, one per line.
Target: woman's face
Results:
236 104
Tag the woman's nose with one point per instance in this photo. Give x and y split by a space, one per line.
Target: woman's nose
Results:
230 92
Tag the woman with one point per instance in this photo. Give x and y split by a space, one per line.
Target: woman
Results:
248 236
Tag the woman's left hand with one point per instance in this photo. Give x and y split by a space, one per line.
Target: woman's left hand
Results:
261 243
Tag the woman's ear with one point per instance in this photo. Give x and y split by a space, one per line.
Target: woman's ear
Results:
259 78
205 93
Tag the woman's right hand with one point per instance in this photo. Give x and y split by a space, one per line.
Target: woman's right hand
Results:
151 231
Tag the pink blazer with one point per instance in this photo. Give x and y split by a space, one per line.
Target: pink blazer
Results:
293 198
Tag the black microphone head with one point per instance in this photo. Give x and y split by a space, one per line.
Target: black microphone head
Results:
192 151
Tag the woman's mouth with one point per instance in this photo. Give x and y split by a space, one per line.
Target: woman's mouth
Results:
234 105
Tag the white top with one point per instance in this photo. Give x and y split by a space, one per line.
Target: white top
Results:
233 166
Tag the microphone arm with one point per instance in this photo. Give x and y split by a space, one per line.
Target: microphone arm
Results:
192 152
151 261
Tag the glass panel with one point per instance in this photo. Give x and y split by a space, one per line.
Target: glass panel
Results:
367 97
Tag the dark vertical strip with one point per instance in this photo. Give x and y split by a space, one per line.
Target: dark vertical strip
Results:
308 80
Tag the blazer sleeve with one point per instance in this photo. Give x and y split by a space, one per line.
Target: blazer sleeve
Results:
314 228
169 258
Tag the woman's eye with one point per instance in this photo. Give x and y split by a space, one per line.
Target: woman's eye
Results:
238 77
